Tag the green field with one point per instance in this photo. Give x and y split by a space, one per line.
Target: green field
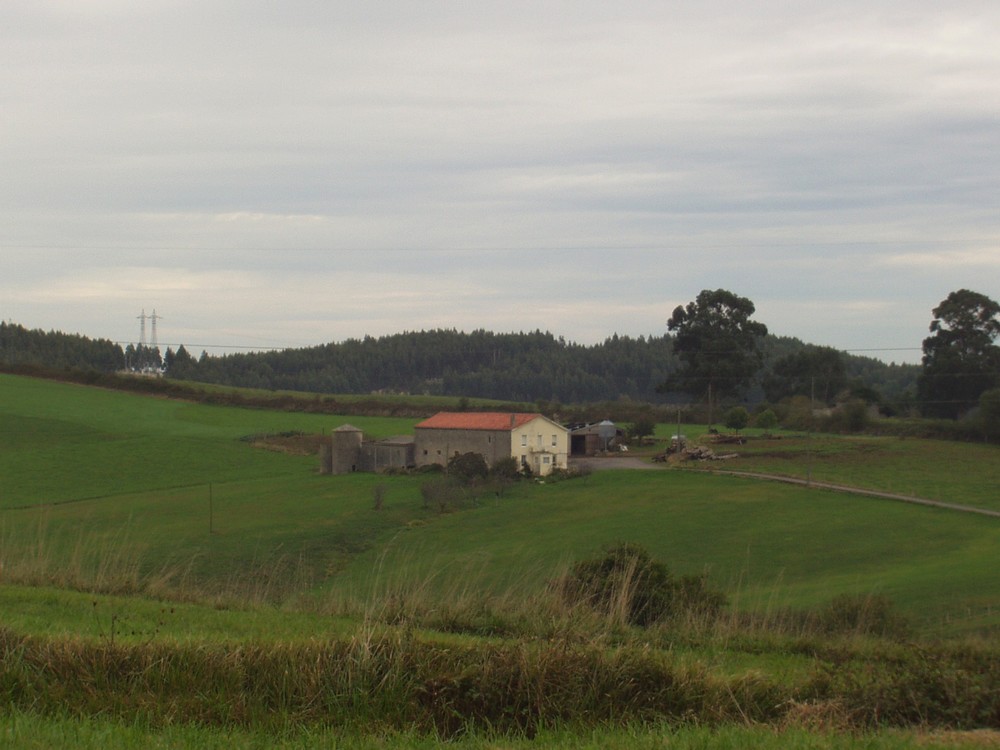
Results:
145 520
953 472
169 488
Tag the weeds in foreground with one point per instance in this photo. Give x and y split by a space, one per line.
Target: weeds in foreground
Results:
546 660
389 679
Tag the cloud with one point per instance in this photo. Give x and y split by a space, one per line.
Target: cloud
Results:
985 259
569 166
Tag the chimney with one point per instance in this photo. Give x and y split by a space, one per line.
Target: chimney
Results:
513 420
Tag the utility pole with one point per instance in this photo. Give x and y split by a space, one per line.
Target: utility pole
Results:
710 422
142 328
812 412
154 317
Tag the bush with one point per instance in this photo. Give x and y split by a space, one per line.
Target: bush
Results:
642 428
468 467
441 494
863 615
798 414
989 413
628 585
851 417
506 468
766 420
737 418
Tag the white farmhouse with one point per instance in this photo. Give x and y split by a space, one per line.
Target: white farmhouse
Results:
534 440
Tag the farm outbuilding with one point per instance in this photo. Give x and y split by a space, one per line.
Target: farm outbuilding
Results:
594 438
534 440
391 453
346 456
351 452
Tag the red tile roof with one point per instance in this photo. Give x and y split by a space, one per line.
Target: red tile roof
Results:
470 420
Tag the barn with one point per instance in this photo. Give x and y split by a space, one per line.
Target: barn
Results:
533 440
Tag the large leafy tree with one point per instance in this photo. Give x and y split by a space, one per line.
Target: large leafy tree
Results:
817 371
717 343
960 359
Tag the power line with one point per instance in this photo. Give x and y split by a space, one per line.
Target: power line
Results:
657 246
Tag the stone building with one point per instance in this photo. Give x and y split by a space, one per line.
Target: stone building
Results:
535 441
351 452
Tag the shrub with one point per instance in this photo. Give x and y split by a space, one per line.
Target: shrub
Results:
506 468
643 427
798 414
766 420
441 494
468 467
989 413
737 418
628 585
872 614
851 417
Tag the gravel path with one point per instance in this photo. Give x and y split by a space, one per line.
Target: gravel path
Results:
597 463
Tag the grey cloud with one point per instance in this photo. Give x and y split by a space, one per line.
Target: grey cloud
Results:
643 151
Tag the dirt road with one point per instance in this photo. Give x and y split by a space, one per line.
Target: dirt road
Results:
596 463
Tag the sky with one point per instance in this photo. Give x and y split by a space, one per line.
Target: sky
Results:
269 175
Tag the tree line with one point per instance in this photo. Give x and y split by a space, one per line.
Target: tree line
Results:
56 350
523 367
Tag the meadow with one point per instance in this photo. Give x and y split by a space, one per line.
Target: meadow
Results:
949 471
131 522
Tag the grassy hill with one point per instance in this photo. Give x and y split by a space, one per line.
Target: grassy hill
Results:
165 579
172 493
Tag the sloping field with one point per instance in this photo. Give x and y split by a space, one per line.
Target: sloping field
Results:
121 490
61 442
949 471
164 581
767 545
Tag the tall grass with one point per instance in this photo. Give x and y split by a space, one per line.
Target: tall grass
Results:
386 679
544 662
376 679
99 563
21 729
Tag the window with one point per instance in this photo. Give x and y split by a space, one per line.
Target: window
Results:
545 459
539 441
555 440
524 441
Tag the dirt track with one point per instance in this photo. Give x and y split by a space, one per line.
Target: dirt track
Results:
596 463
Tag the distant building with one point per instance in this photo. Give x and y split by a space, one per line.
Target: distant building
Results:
535 441
591 439
391 453
350 452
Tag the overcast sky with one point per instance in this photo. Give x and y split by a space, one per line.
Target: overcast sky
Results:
271 174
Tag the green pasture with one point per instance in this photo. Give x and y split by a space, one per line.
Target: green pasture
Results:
59 613
98 485
767 545
961 473
24 730
61 442
141 526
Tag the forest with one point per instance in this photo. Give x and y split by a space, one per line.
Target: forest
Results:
527 367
